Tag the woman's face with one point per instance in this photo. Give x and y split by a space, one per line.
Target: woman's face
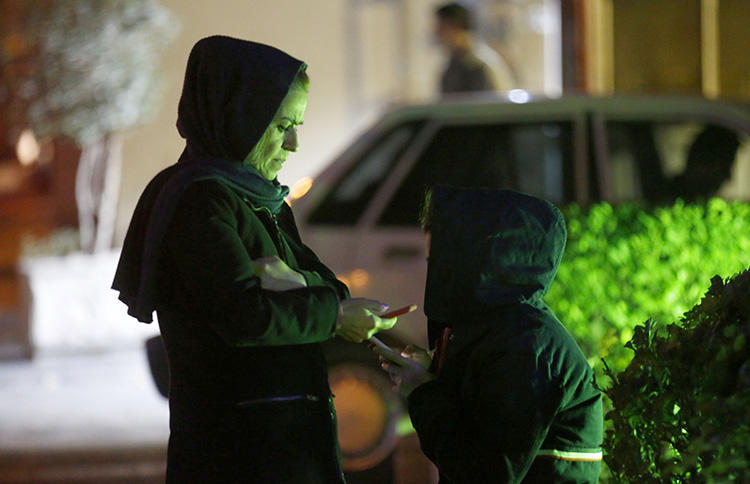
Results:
280 137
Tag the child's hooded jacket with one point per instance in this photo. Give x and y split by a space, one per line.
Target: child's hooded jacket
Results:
515 399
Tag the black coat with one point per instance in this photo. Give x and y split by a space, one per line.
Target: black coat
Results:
515 399
249 396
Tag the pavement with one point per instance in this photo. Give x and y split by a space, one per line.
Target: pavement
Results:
84 417
96 417
74 400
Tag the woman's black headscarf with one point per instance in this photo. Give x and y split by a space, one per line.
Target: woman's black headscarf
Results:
231 92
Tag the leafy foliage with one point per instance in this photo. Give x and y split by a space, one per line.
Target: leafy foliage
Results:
625 264
85 68
681 408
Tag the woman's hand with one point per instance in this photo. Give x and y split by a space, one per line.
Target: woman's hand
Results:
275 275
359 319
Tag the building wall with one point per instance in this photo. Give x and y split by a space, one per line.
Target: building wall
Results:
693 47
362 56
734 39
307 30
657 48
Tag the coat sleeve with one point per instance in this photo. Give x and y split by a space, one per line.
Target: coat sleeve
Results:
315 272
213 264
493 432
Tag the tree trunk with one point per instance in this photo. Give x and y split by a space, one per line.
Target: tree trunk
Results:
97 189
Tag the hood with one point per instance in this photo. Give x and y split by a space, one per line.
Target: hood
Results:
231 92
490 248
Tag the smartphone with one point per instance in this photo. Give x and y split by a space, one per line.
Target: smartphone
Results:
399 311
387 351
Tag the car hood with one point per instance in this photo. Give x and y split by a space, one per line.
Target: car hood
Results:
489 248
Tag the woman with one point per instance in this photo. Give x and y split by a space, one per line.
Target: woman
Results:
242 303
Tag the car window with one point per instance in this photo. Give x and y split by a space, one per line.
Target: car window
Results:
660 161
529 157
344 204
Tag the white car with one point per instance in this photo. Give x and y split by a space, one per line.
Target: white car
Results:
360 215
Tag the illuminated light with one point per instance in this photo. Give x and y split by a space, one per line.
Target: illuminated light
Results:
356 279
359 278
345 280
300 188
518 96
368 410
27 148
361 413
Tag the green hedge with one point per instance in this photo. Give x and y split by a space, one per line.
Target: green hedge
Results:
624 264
681 409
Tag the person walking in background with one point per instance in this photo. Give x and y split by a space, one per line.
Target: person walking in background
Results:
507 396
242 303
472 65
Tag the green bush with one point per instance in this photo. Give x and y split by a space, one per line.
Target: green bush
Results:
625 264
681 409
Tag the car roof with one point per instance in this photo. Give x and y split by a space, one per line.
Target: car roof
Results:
655 107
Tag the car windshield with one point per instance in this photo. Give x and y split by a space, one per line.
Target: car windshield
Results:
346 201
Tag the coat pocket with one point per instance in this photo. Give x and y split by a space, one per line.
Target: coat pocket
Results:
281 399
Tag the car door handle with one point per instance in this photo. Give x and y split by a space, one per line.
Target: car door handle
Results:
398 252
